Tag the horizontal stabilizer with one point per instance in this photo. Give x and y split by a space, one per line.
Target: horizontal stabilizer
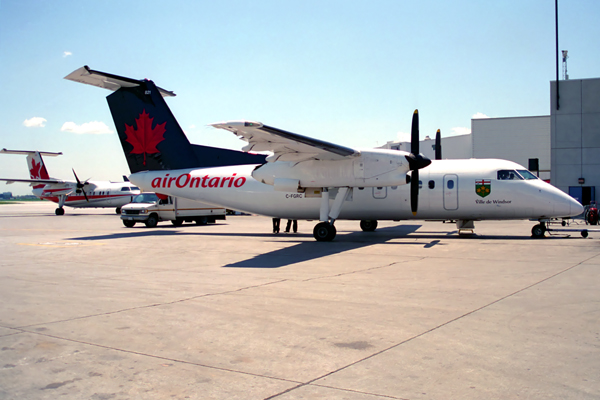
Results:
108 81
32 180
27 152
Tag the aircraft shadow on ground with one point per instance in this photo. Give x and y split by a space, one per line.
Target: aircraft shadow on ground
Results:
306 248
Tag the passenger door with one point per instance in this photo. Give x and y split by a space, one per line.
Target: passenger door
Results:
451 192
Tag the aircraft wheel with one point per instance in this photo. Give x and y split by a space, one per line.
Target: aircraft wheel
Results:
368 225
59 211
152 221
324 232
118 210
177 222
584 233
538 231
201 221
129 224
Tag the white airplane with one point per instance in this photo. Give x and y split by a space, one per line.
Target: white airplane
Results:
306 178
72 193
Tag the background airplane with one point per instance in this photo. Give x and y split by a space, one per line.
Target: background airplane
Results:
306 178
72 193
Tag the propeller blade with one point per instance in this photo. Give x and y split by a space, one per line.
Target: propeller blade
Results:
438 145
414 133
414 191
85 195
76 178
81 185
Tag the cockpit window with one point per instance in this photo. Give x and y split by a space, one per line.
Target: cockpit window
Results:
508 175
526 174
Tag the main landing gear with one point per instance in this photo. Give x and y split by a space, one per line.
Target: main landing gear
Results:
325 231
61 202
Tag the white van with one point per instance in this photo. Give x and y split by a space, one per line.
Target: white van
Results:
150 209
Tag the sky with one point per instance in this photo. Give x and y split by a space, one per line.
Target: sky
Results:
347 72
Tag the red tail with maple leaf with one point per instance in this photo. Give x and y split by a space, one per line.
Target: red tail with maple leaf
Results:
152 138
37 168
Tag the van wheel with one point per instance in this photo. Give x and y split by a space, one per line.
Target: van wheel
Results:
129 224
201 221
151 221
177 222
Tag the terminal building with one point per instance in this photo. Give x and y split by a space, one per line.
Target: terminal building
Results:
562 148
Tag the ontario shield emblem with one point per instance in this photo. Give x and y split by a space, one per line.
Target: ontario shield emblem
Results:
483 187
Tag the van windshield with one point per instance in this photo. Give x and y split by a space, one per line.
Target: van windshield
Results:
145 198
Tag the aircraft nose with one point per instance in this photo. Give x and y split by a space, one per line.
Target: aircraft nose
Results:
576 207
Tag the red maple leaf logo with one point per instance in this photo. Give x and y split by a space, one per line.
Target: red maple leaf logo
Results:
144 139
34 172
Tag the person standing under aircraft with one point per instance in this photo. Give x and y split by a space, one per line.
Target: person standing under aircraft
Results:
276 223
289 224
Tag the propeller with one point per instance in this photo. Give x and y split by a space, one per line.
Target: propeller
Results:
80 186
438 145
416 161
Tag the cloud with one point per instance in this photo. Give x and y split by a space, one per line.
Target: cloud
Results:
67 54
93 128
460 130
479 115
403 137
35 122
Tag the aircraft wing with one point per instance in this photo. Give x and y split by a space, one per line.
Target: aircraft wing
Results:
9 181
286 146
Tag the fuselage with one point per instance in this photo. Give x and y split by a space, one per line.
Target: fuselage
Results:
99 193
471 189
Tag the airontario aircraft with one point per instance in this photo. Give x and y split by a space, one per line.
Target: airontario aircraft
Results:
72 193
310 179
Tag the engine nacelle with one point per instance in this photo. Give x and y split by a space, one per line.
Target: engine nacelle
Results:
369 169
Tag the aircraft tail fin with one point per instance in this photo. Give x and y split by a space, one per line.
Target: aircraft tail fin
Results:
35 163
149 133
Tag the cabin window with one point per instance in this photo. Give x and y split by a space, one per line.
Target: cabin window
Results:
135 188
450 184
431 184
125 189
526 174
508 175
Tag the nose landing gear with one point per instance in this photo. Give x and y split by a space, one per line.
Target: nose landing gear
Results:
539 230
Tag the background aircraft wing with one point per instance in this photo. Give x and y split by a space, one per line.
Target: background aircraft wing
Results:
286 146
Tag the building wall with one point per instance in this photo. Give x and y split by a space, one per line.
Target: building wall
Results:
575 134
516 139
453 147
